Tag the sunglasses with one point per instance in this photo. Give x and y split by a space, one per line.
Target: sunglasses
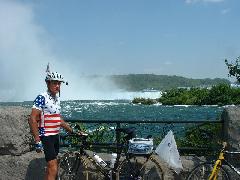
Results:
56 82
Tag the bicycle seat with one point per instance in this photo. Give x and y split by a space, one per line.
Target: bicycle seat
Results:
129 131
126 130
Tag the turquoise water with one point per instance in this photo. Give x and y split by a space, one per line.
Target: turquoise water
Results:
125 110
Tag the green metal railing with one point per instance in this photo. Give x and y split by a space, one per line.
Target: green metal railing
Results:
191 136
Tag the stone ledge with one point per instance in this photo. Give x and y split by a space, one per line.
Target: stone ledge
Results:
15 134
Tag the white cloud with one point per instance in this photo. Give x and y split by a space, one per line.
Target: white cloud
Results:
168 63
121 43
206 1
213 1
225 11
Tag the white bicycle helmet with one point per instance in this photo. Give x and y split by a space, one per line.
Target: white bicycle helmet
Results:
54 76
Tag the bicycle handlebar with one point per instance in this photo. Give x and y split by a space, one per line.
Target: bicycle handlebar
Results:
224 144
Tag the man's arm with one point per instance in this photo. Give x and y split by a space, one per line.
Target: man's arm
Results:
33 122
69 129
66 126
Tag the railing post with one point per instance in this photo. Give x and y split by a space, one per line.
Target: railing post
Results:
118 136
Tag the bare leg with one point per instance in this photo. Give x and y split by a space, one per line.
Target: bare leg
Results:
51 172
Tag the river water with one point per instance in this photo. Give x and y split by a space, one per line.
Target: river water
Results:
125 110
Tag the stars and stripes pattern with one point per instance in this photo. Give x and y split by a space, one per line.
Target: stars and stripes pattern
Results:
39 102
49 124
41 131
50 119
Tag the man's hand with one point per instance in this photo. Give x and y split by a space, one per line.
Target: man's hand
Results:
78 132
82 133
39 147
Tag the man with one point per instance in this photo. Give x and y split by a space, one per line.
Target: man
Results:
45 122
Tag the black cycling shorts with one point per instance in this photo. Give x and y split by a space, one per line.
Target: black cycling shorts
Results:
50 146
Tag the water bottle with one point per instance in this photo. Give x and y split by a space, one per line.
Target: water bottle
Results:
99 160
113 160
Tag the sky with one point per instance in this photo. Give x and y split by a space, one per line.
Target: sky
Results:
189 38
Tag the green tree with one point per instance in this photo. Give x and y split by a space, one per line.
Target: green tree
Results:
235 95
220 95
201 96
234 68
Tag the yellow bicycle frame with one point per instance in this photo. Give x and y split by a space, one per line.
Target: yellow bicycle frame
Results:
217 166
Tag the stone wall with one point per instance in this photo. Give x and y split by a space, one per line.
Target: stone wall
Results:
231 118
14 134
17 162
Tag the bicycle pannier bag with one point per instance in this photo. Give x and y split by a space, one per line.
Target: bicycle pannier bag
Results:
140 146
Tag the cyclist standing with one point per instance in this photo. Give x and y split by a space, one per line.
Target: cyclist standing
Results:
45 122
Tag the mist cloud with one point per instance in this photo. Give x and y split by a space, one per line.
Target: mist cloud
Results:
21 51
24 54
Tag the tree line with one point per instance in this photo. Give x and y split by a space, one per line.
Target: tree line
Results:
220 94
138 82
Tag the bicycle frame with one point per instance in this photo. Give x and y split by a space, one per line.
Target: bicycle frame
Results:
217 166
229 164
220 161
121 147
85 159
104 170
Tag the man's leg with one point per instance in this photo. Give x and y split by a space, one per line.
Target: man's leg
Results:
51 172
51 150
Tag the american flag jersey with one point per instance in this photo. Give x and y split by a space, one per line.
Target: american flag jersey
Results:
50 119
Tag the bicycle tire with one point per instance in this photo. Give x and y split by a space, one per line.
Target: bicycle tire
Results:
204 170
91 170
76 166
140 167
68 167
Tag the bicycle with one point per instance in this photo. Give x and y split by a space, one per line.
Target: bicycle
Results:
82 163
218 169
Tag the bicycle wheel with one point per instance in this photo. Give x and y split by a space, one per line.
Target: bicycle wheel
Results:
91 170
204 170
75 166
140 168
68 167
